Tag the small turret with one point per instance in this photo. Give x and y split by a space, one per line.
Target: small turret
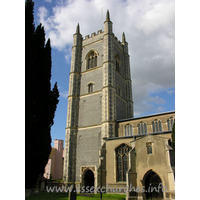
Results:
123 38
107 24
107 16
125 44
78 29
77 37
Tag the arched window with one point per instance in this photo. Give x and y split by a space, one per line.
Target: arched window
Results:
128 130
90 88
157 126
122 161
118 91
170 123
92 60
142 128
117 63
149 148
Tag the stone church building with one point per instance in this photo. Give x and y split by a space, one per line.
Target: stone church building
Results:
100 124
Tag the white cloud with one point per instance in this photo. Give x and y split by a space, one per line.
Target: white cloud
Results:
156 100
149 30
48 1
68 53
170 91
64 94
42 14
161 15
160 109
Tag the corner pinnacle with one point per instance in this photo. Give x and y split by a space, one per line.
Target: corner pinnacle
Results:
123 38
78 28
107 16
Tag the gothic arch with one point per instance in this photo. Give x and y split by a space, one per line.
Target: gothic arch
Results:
91 59
84 172
91 82
90 87
92 50
128 128
142 128
150 173
88 179
157 125
153 170
122 161
170 123
121 145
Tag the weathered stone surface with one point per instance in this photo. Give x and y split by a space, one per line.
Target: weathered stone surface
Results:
92 116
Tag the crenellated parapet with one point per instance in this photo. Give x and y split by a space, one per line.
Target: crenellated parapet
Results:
94 37
99 32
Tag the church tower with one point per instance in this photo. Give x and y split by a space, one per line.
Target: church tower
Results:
100 93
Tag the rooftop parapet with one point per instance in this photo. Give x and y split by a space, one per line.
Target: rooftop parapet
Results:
118 41
93 34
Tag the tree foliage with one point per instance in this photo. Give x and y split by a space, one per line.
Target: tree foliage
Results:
41 101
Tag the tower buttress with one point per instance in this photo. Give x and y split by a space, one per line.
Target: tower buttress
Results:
108 91
129 105
72 110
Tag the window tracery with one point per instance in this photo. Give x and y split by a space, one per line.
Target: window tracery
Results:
157 126
92 60
142 128
122 161
170 123
128 130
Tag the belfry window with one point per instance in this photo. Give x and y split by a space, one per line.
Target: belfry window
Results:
142 128
122 161
170 123
90 88
128 130
117 63
118 91
157 126
92 60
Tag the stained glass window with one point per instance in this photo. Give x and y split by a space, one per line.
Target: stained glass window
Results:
170 123
142 128
157 126
125 167
119 168
122 161
128 130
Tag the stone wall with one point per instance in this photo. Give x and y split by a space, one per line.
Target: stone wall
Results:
90 110
88 143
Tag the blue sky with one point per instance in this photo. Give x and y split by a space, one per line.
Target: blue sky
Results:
149 27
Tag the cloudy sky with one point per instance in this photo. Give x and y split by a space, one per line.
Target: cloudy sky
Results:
149 27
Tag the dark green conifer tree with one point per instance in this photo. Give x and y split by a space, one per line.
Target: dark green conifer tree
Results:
40 100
